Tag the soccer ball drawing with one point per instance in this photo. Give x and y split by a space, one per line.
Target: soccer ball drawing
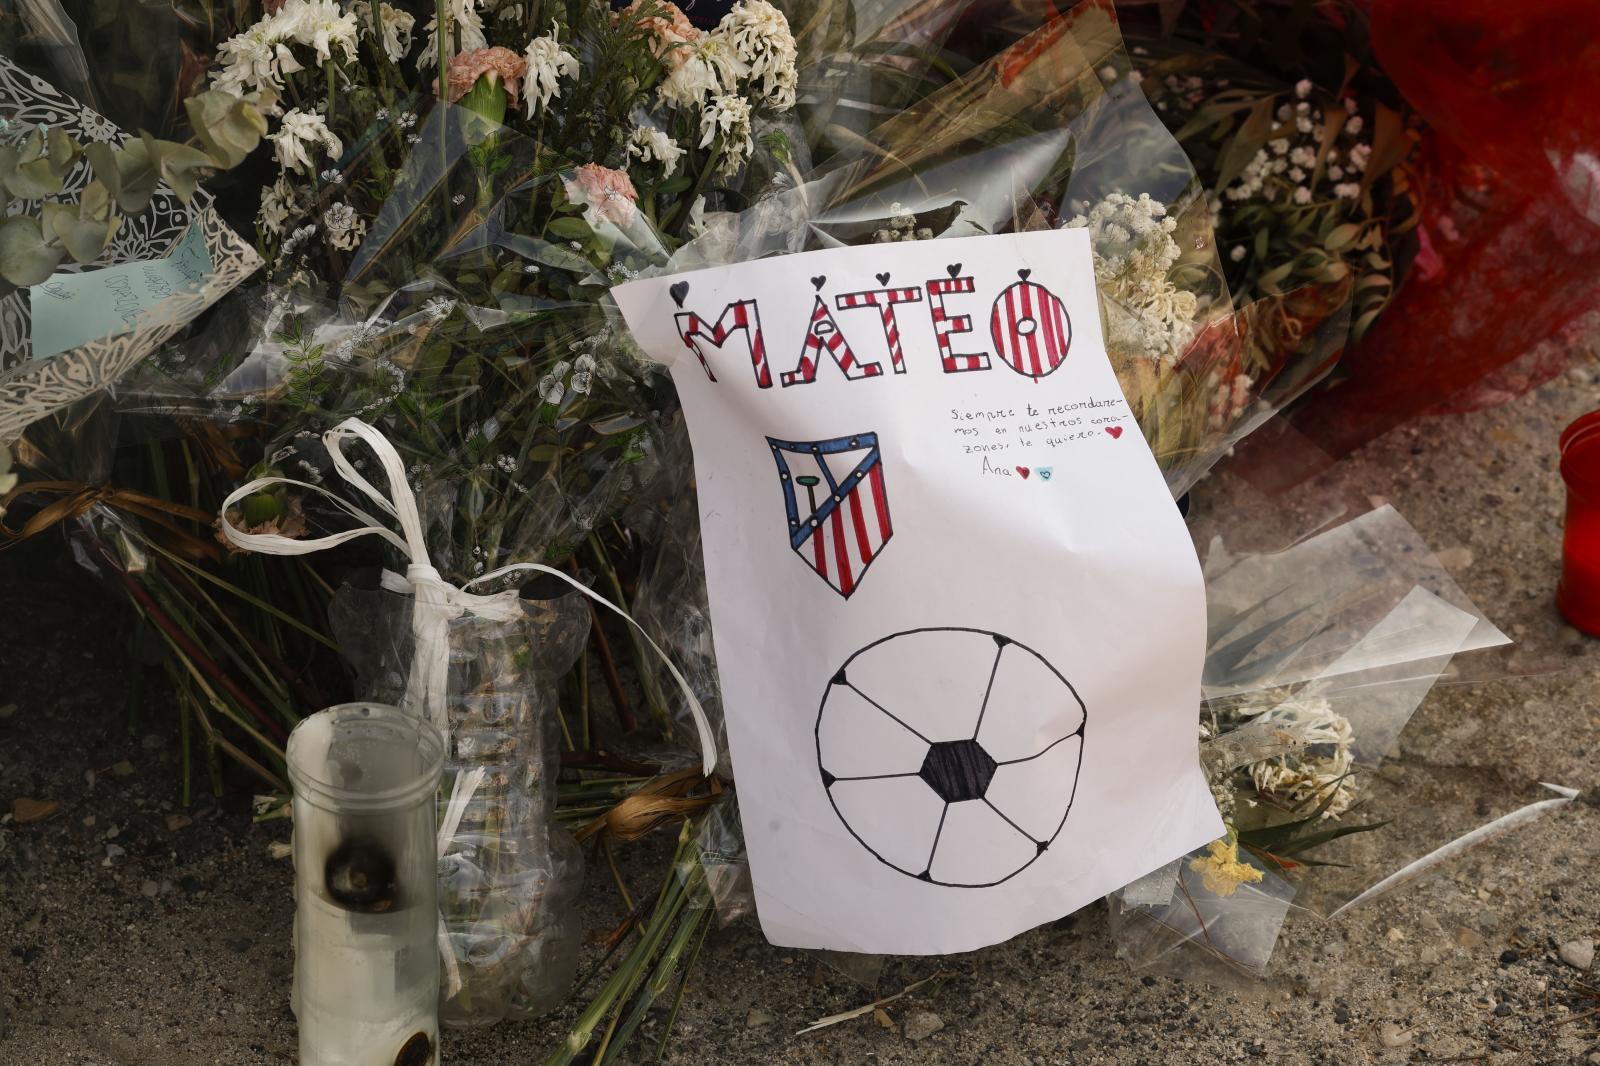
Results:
951 754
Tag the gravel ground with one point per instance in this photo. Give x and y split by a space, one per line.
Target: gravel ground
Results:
134 930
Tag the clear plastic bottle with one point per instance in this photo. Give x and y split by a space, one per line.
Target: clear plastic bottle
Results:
366 989
508 875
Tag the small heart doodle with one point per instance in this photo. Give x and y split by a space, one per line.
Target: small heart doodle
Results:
679 291
954 269
883 279
1023 274
818 281
1115 431
1045 472
1024 471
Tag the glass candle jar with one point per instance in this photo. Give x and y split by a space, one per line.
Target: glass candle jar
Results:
366 926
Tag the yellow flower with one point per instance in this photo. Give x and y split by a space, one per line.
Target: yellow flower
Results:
1221 871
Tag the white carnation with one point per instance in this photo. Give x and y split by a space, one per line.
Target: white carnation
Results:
344 227
277 200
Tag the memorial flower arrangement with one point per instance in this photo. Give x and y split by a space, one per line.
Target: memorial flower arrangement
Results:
444 195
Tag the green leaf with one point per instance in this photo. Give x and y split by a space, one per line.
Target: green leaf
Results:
63 150
103 160
140 173
83 237
575 229
181 166
34 180
1390 145
25 257
228 126
1252 135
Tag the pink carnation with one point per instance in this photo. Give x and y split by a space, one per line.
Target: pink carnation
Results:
609 192
672 30
498 64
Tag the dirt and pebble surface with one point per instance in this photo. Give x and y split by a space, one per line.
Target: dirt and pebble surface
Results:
139 931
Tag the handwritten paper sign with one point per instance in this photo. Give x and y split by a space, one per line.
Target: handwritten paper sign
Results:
71 309
959 623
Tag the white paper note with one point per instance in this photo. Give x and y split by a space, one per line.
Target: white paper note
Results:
959 622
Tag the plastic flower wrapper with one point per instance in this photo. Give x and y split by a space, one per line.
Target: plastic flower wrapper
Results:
1318 656
918 132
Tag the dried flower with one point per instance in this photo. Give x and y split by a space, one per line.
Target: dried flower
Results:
1134 251
467 24
1221 871
760 37
276 201
321 25
654 146
728 116
298 138
609 193
344 227
1321 772
547 64
256 59
394 27
669 31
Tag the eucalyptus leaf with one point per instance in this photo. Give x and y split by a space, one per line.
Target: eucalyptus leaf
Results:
229 127
181 167
83 238
34 180
25 257
103 160
140 173
63 150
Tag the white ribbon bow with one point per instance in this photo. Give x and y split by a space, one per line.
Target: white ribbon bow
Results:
436 600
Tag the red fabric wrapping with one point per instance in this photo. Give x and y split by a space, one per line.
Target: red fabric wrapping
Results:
1509 245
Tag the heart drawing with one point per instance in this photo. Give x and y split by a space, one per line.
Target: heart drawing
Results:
1024 471
1115 431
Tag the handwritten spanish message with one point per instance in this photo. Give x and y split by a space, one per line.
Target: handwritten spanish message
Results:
73 309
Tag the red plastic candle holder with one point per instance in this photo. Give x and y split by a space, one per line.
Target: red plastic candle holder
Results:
1578 594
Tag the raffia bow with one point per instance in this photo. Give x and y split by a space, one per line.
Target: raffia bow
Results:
437 601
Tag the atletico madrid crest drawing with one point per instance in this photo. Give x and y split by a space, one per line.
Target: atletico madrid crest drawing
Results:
838 510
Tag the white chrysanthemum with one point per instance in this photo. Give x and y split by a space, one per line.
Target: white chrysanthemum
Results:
713 68
728 117
468 24
1321 772
759 35
277 200
394 27
321 25
654 146
1134 251
344 227
548 63
298 138
256 59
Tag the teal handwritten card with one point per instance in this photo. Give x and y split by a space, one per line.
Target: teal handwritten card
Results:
74 309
